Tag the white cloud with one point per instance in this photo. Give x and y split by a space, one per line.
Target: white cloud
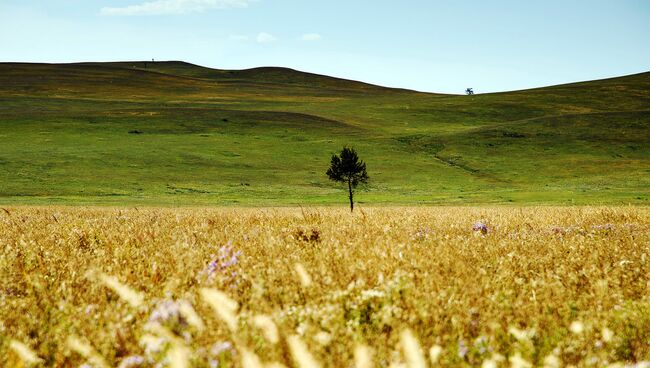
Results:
160 7
264 37
311 37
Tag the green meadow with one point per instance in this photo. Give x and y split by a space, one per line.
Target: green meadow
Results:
170 133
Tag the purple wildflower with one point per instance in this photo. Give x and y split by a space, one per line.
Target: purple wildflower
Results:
168 313
557 230
422 234
131 361
222 264
221 347
606 227
482 345
462 349
480 226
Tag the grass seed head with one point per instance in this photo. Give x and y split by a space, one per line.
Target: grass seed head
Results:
412 350
179 355
303 275
134 298
274 365
301 355
249 359
268 327
552 361
489 363
87 351
26 354
607 334
434 354
223 305
188 312
522 335
516 361
577 327
362 356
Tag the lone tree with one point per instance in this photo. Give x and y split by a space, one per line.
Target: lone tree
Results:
347 168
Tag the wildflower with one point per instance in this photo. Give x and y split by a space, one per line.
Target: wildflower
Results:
606 227
221 347
462 349
558 230
152 345
480 226
176 315
482 345
521 335
422 234
165 311
131 361
89 309
221 265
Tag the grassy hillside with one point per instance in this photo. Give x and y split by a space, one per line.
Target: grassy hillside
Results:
177 133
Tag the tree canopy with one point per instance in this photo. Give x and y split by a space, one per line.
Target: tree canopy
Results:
347 168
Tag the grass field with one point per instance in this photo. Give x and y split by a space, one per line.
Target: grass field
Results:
490 286
175 133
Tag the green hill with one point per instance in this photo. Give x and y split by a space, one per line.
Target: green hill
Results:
177 133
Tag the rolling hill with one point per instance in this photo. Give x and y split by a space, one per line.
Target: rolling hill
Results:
176 133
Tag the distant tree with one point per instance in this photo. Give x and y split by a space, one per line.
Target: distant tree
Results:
469 91
347 168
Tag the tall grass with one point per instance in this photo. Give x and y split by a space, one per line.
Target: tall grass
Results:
413 287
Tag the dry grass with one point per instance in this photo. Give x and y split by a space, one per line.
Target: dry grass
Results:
382 287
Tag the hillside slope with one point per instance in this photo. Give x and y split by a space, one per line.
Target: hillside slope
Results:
173 132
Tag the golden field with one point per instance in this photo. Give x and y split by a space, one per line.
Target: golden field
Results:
472 286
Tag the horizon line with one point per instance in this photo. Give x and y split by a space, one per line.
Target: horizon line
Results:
323 75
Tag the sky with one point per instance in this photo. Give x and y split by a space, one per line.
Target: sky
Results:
429 45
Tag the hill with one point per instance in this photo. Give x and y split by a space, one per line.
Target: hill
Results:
177 133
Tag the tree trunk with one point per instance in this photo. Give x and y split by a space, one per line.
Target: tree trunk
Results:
350 189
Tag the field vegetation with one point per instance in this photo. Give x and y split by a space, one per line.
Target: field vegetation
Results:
176 133
448 286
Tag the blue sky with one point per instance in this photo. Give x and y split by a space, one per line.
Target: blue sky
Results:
429 45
